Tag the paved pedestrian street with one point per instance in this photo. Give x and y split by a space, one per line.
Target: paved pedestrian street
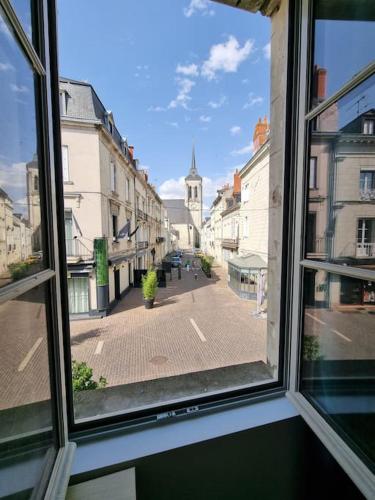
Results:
195 325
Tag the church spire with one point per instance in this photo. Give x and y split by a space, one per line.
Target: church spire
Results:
193 172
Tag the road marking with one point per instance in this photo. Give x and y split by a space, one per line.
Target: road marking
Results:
29 355
341 335
200 334
316 319
99 347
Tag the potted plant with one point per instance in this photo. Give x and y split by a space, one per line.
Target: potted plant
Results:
149 288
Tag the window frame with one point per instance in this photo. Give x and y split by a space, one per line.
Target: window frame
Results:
43 61
323 428
233 396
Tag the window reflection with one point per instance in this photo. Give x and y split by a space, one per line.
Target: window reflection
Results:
338 355
335 63
24 370
20 231
341 204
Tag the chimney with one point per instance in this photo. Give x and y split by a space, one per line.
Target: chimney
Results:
320 83
260 133
131 151
236 183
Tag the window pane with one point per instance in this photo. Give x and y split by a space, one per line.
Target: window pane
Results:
20 230
336 63
23 9
25 395
338 354
341 207
210 329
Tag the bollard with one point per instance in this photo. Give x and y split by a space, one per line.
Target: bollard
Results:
179 272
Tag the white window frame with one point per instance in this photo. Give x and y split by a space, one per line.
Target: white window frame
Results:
337 446
65 162
368 126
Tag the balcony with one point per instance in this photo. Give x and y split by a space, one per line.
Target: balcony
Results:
141 245
365 250
141 215
367 194
316 248
231 243
76 251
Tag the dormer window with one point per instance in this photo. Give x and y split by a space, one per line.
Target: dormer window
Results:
63 102
368 127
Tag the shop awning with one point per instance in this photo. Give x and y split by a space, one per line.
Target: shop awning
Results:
250 261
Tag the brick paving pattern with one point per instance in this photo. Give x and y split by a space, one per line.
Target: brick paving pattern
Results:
142 344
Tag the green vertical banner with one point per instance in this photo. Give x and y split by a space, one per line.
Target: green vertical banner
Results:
101 261
102 273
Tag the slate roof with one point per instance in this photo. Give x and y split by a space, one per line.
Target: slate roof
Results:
83 103
193 172
177 212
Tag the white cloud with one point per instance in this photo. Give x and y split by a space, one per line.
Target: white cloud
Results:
13 177
156 109
205 119
172 124
267 51
175 188
202 6
6 67
252 100
188 70
172 188
226 57
18 88
185 86
243 151
235 130
219 103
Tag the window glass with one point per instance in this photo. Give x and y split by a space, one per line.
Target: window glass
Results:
23 9
25 394
21 252
344 197
336 63
338 353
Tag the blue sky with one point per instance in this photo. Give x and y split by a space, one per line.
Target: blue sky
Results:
173 72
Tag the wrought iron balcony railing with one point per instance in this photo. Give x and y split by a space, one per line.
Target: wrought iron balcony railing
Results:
75 249
142 245
232 243
365 250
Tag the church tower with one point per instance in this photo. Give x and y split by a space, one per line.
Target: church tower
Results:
193 197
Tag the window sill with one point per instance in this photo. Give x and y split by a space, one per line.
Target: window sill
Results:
116 448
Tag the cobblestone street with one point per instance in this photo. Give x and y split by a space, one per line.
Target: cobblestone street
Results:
196 324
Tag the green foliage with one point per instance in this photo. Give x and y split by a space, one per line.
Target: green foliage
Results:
311 348
206 263
149 284
82 378
19 270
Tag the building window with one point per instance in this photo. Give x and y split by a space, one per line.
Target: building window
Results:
127 189
36 183
195 192
113 176
313 172
78 294
65 163
110 127
114 227
368 127
367 184
63 103
189 192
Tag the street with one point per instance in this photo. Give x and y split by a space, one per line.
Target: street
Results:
196 324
